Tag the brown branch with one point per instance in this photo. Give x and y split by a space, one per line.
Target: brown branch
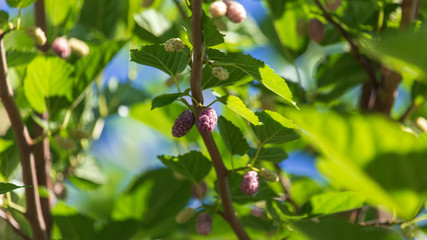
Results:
196 89
24 141
387 92
13 224
354 48
41 149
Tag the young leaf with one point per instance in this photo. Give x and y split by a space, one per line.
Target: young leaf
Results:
333 202
50 76
193 165
166 99
232 137
275 128
235 104
156 56
255 68
8 187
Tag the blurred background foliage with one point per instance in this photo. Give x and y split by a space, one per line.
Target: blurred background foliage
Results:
109 182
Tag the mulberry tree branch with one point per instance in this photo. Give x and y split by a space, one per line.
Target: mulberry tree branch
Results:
24 142
196 89
41 149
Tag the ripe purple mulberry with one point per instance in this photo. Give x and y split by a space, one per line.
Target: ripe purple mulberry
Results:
332 5
250 183
207 120
218 9
204 224
235 11
183 124
61 47
317 30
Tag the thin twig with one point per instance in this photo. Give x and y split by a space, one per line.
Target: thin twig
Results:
196 89
287 188
13 223
354 48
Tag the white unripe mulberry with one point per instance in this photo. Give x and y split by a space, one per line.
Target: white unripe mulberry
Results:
220 73
37 34
174 45
79 47
218 9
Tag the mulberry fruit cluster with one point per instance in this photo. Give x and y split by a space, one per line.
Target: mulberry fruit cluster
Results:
220 73
185 215
183 124
250 183
268 175
204 224
79 47
332 5
207 120
317 30
235 11
174 45
218 9
61 47
37 34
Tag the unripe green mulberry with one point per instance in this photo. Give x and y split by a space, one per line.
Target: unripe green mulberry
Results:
220 73
174 45
268 175
37 34
185 215
79 47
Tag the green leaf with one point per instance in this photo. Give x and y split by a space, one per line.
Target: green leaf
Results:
58 10
369 155
256 69
156 56
275 155
19 3
46 77
8 187
342 229
19 57
166 99
211 35
72 224
232 137
4 18
400 51
236 105
154 199
5 144
193 165
275 128
333 202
